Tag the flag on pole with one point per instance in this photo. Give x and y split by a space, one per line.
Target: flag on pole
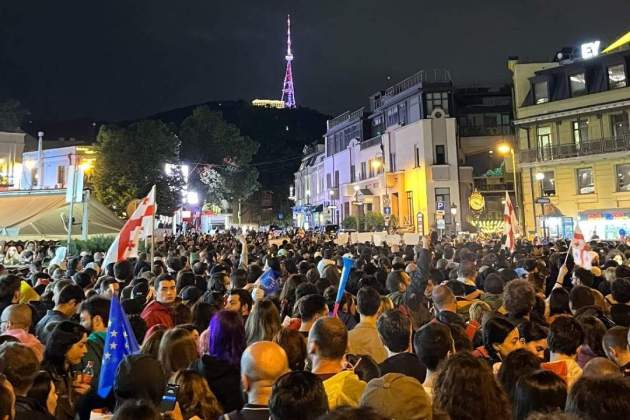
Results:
138 227
510 224
120 341
581 254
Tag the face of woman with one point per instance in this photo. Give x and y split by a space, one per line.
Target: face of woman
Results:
77 351
51 401
538 347
512 342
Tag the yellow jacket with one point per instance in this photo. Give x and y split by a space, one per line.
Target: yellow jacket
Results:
345 388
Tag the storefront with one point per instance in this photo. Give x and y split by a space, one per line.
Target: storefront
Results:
605 223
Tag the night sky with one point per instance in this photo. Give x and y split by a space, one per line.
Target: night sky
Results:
129 58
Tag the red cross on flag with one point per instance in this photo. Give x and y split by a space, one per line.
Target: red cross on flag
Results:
581 252
138 227
510 224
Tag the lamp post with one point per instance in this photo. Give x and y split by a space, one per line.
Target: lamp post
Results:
505 149
356 199
332 206
540 178
454 216
307 194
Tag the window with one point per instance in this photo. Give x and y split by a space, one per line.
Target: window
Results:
371 167
617 76
34 177
541 92
577 84
544 141
416 154
353 175
409 207
392 162
444 194
585 184
61 175
619 124
336 179
363 171
440 155
402 113
580 132
623 177
392 116
437 100
328 183
549 183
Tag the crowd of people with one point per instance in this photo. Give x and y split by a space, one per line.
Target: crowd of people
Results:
233 326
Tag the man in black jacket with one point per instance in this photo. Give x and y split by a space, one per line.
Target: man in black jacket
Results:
394 328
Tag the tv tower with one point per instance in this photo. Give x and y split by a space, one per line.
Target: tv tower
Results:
288 94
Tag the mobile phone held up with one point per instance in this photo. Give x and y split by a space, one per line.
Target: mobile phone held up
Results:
169 398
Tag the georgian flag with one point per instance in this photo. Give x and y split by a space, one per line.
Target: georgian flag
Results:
510 224
581 254
138 227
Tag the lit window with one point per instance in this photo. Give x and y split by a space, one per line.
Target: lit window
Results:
437 100
585 184
541 92
549 183
617 76
623 177
577 84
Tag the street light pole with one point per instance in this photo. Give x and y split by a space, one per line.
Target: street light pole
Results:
504 149
540 177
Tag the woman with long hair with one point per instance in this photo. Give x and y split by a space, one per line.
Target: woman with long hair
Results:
152 339
177 350
500 338
465 389
518 363
263 323
540 391
66 346
195 397
221 365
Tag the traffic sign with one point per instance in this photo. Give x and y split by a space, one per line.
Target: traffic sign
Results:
543 200
387 211
440 205
440 212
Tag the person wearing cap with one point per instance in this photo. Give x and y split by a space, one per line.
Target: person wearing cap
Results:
397 396
326 347
364 338
394 328
159 311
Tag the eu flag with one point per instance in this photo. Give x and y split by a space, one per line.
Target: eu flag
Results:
119 342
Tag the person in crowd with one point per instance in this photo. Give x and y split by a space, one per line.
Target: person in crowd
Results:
539 391
262 364
159 311
516 364
353 413
433 344
534 337
20 366
599 367
519 297
602 398
298 395
16 321
9 290
239 300
615 345
493 291
364 337
454 395
177 350
394 329
42 396
594 331
565 337
559 303
137 410
620 309
152 339
139 377
195 397
65 349
500 338
309 309
66 306
327 343
397 396
263 322
221 365
7 400
294 345
445 305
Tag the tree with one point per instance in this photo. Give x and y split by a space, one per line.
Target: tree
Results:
12 115
131 159
222 154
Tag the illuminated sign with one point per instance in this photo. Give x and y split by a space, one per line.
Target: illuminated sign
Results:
590 49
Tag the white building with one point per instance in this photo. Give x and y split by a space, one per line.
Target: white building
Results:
53 168
398 157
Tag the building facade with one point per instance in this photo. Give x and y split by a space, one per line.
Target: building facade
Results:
573 137
53 169
398 156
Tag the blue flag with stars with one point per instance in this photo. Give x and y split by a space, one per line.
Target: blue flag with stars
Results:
119 342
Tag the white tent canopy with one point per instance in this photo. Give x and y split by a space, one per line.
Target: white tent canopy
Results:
44 214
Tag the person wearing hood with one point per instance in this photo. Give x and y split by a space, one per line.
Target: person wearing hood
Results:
16 322
327 342
159 311
221 365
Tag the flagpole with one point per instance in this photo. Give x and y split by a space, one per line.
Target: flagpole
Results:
153 233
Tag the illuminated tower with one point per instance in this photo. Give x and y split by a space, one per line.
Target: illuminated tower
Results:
288 94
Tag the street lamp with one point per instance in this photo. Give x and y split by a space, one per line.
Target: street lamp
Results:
505 149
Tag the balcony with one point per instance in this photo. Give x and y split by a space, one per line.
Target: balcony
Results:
573 150
494 184
370 142
482 131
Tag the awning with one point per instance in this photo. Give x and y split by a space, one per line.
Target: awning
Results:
366 191
43 214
